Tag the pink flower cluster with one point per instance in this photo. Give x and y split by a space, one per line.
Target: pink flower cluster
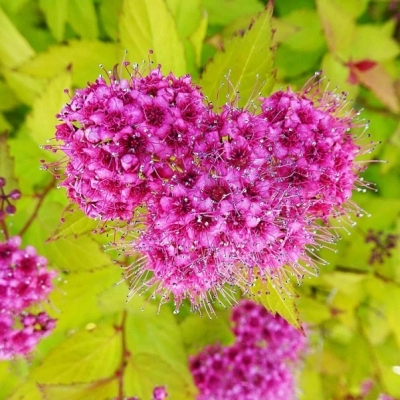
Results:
224 193
260 365
24 281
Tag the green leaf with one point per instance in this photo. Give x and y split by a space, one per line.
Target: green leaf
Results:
13 7
7 164
157 334
76 297
312 310
355 8
187 15
307 36
392 301
82 58
25 87
42 121
55 12
14 48
199 332
244 59
27 155
293 63
339 28
337 73
109 14
311 385
381 84
347 282
223 12
7 97
83 357
72 254
83 19
145 371
4 124
192 26
373 43
15 376
76 223
197 39
276 299
148 25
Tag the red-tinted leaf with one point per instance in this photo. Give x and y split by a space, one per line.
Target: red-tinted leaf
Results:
364 65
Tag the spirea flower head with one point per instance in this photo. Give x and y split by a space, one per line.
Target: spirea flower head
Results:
221 194
312 141
24 282
123 138
260 365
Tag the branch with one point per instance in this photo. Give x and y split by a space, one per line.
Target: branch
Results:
41 198
125 353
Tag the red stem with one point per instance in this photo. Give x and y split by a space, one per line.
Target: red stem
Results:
123 357
41 198
4 228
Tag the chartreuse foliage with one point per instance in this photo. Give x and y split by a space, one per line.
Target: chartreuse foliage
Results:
105 348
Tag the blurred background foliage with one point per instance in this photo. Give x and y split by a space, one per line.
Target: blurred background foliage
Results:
351 311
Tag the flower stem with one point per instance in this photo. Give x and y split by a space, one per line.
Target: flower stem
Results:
123 357
40 198
4 228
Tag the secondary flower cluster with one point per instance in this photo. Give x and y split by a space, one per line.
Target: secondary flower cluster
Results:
223 192
259 365
24 281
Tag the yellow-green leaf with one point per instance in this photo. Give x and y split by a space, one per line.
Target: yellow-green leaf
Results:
72 254
145 371
81 57
7 164
198 332
374 43
75 223
223 12
4 124
42 121
339 28
381 84
83 357
109 13
277 299
307 35
83 19
14 48
96 390
55 12
7 97
248 62
156 334
76 297
25 87
148 25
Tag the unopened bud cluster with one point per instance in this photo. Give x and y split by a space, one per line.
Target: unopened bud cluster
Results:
6 207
